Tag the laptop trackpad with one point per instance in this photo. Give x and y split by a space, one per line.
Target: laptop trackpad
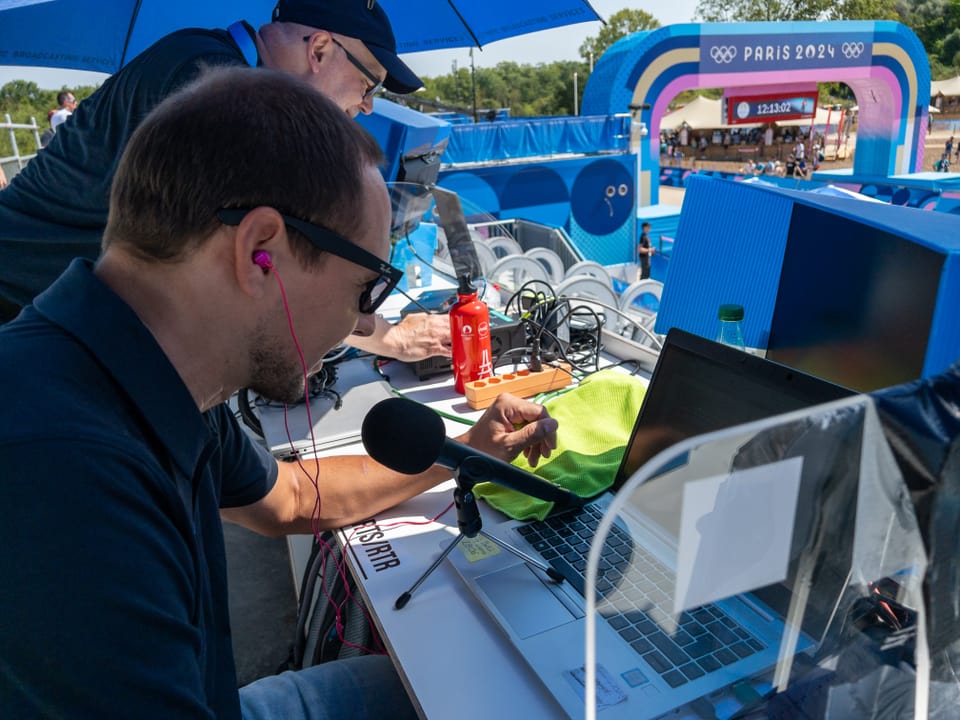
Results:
521 597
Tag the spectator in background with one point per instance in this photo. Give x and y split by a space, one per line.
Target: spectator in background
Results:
790 167
67 103
644 251
48 134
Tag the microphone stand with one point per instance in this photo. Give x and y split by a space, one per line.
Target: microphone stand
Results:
471 524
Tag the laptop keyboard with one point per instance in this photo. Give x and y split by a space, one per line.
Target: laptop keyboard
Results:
634 588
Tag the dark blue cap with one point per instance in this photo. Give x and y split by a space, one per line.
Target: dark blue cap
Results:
364 20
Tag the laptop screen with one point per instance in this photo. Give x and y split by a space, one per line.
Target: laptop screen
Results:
699 386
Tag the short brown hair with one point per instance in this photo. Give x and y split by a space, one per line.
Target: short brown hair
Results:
283 145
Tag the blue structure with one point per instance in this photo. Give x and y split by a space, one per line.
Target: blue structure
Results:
570 172
411 141
884 63
861 293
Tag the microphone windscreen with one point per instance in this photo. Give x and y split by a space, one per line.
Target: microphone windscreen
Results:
403 435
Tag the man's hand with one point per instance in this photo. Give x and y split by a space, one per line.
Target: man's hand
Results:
512 425
416 337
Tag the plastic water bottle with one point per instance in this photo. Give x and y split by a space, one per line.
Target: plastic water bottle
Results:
402 256
731 326
470 336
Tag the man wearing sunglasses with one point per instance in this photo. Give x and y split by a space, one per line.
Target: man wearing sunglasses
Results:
118 455
56 208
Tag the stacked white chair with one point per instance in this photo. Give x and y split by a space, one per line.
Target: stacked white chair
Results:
550 261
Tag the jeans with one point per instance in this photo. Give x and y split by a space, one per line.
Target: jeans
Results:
358 688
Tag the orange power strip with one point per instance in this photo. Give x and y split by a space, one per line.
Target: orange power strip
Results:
522 383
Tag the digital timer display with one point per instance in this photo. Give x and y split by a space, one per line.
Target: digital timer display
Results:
770 109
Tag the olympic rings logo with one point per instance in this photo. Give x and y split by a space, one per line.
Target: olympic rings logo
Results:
723 54
851 50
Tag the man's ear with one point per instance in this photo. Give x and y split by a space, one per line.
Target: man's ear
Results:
319 46
259 243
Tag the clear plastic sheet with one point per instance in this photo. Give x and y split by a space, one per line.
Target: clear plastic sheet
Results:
773 569
922 424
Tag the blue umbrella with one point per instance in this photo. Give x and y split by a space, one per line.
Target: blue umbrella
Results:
103 36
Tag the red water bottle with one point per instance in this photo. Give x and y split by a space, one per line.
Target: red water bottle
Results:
470 336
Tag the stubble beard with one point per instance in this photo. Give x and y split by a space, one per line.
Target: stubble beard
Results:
273 376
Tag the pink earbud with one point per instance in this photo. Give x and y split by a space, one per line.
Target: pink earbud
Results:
262 258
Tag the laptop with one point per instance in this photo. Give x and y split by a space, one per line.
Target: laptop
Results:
652 659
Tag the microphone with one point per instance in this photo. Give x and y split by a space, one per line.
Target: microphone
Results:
409 437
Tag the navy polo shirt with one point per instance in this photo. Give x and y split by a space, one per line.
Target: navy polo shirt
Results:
55 209
113 598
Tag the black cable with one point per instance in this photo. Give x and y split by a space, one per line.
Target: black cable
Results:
562 305
307 585
319 384
512 351
637 365
538 297
424 308
247 414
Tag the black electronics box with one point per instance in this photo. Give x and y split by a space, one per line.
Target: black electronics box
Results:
505 334
431 301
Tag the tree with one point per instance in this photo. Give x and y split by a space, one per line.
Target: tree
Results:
762 10
620 24
23 100
866 10
936 23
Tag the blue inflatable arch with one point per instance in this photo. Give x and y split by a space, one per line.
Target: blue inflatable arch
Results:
883 62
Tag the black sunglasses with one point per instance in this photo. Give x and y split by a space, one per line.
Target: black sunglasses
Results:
376 291
376 83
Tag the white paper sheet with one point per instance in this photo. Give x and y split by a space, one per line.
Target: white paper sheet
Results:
735 532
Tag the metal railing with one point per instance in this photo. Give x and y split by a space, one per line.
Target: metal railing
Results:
12 164
530 234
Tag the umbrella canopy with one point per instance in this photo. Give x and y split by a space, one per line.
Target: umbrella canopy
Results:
104 36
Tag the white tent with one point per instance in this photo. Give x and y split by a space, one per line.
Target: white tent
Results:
823 115
948 88
705 114
699 114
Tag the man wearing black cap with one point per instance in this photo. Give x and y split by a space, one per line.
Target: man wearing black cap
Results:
56 208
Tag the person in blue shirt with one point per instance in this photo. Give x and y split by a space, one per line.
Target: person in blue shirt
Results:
56 208
243 241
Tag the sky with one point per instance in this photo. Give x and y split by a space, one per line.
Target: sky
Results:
547 46
542 47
